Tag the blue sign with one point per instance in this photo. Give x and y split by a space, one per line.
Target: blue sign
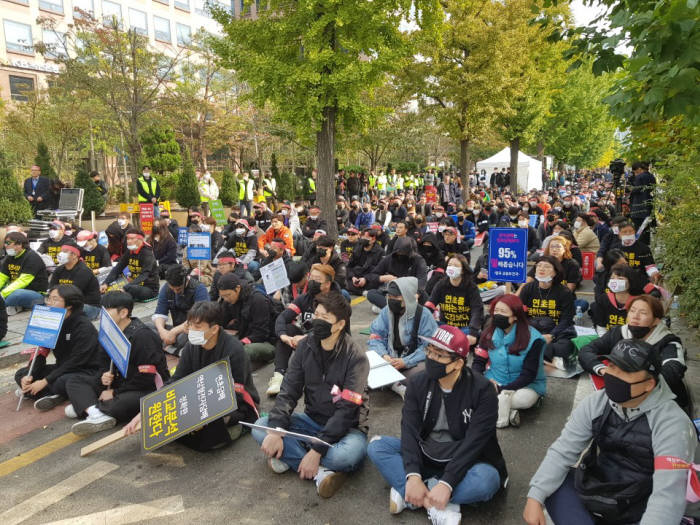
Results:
114 342
44 326
102 239
508 255
533 221
199 246
182 235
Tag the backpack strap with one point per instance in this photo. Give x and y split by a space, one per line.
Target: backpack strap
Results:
413 342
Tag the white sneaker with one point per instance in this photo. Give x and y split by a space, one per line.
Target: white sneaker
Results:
396 502
93 423
558 363
399 389
451 515
514 418
376 309
328 482
273 387
70 412
13 310
277 466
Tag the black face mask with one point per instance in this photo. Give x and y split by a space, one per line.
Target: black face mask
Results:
618 390
639 332
321 329
396 307
501 321
435 370
314 287
401 257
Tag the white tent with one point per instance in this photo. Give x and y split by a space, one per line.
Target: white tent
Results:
529 169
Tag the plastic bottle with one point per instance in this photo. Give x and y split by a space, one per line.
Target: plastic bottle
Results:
579 315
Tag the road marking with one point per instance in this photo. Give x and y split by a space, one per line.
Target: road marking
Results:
357 300
56 493
35 454
584 387
129 513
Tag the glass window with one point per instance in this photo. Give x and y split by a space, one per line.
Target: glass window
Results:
55 43
20 87
138 21
183 4
18 37
51 5
184 34
161 29
110 11
84 5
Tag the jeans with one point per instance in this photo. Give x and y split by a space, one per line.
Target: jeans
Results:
24 298
376 298
253 266
246 208
91 312
480 483
344 456
564 506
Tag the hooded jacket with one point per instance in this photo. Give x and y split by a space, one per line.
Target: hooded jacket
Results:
668 346
669 432
381 338
413 265
304 306
362 261
312 376
251 316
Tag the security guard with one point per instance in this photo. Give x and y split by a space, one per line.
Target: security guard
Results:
149 190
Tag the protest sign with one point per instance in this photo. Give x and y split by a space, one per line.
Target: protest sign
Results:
114 342
533 221
431 194
274 276
44 326
588 266
164 206
146 217
186 405
128 207
217 211
182 235
508 254
432 227
199 246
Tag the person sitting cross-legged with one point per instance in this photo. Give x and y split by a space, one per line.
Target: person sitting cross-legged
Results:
448 453
330 371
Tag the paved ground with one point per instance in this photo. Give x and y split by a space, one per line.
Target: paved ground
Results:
45 481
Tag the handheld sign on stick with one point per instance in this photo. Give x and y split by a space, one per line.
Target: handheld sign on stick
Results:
114 342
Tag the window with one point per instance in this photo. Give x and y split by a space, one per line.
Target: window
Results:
110 12
184 34
18 37
55 43
245 8
138 21
161 29
183 4
83 5
51 5
20 87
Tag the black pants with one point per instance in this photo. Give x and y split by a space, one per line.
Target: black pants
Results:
283 352
140 293
84 392
58 387
559 348
377 298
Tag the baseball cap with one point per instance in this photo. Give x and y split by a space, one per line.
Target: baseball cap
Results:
57 225
450 339
633 355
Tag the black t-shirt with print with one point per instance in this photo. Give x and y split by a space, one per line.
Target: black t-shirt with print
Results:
27 262
80 276
97 258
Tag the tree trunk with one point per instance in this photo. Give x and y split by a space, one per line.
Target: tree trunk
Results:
325 184
514 149
464 161
540 150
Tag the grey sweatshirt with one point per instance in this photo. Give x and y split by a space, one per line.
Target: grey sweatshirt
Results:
672 434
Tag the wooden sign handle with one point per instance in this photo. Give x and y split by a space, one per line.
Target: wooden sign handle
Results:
101 443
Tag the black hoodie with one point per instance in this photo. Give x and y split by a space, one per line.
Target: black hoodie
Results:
404 261
251 316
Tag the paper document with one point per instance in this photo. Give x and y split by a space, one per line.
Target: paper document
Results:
381 372
274 276
585 330
281 432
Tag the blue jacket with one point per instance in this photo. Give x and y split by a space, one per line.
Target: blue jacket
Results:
364 219
506 367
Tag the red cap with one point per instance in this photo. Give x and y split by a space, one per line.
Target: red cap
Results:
450 339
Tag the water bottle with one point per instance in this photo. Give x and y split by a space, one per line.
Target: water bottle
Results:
579 315
675 305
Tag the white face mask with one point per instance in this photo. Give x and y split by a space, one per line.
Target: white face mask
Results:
122 222
11 251
146 175
313 217
628 240
131 247
441 228
523 224
578 225
54 234
453 272
89 248
62 257
547 279
240 231
82 244
617 285
438 214
615 230
196 337
285 212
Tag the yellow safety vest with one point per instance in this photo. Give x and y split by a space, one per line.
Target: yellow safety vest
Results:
148 187
241 189
312 184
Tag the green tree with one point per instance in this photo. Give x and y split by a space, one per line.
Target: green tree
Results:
187 192
229 188
92 199
160 150
14 208
43 160
286 187
314 60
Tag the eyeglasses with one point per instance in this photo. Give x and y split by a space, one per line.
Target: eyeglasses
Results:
436 355
9 243
52 299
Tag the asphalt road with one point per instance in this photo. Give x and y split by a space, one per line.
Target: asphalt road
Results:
234 484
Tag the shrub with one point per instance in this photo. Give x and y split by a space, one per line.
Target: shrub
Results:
92 199
228 190
14 208
43 160
160 150
187 193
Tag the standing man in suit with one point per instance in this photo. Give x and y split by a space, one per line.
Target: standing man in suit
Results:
36 189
